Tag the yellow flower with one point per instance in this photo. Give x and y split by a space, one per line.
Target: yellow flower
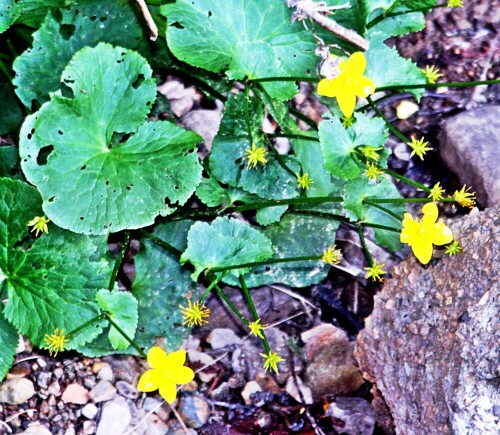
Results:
55 342
374 271
453 248
370 152
256 155
436 192
331 255
419 147
349 84
194 314
464 197
372 171
167 371
271 361
304 180
39 224
256 328
454 3
432 74
421 235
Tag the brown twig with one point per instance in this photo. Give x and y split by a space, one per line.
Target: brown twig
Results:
315 11
149 19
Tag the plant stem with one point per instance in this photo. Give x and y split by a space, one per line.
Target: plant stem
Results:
387 122
255 315
407 180
119 260
285 79
6 71
161 243
363 244
439 85
299 115
231 305
385 210
247 112
293 136
124 335
214 282
388 13
266 262
86 324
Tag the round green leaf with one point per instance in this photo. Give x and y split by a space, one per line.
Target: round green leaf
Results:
51 281
245 38
98 169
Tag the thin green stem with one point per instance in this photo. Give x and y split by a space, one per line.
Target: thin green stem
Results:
293 136
231 305
379 100
124 335
161 243
387 122
266 262
381 227
214 282
385 210
255 315
285 79
119 260
407 180
281 161
6 71
439 85
372 201
335 217
247 112
86 324
363 244
299 115
389 14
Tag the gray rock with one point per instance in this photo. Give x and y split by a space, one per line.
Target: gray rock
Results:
106 373
194 410
43 379
126 390
470 149
431 343
16 391
88 427
103 392
37 429
125 367
75 393
154 426
222 337
204 122
89 411
356 415
115 417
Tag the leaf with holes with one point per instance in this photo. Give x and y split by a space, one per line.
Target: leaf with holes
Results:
9 12
245 38
122 309
160 286
389 215
39 68
224 242
51 281
107 170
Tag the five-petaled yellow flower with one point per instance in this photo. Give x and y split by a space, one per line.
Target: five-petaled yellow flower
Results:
331 255
431 73
421 235
453 248
256 155
375 271
436 192
55 342
271 361
464 197
304 181
372 171
256 328
419 147
167 371
454 3
194 314
39 224
349 84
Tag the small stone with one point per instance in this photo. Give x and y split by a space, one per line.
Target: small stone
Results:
352 416
75 393
103 392
58 373
126 390
89 382
89 411
43 379
154 426
194 410
106 373
223 337
41 362
115 417
125 367
155 406
305 394
37 429
70 431
54 389
21 345
204 360
16 391
88 427
250 388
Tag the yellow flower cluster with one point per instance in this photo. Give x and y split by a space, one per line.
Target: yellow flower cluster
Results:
194 314
256 155
375 271
55 342
304 181
331 255
39 224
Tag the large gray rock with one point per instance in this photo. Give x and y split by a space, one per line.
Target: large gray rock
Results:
431 343
471 149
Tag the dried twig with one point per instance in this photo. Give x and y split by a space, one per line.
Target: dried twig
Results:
149 19
316 11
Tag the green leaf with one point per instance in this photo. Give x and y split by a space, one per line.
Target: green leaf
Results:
385 67
370 6
270 215
211 193
9 162
86 23
245 38
160 286
355 209
95 179
224 242
9 12
9 339
34 11
122 309
398 25
338 144
294 236
11 114
51 281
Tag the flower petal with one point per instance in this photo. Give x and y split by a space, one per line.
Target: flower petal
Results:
356 64
441 235
183 375
347 102
157 358
430 212
364 87
176 359
422 250
328 87
168 391
149 381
